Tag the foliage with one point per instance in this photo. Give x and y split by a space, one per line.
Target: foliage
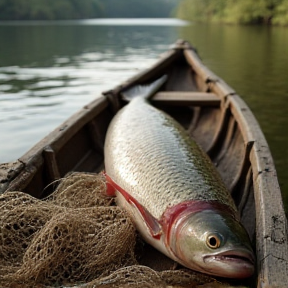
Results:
281 14
139 8
80 9
49 10
235 11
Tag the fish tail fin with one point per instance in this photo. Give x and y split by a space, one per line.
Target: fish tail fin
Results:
144 91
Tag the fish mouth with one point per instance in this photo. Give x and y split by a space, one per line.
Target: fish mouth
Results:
231 256
237 264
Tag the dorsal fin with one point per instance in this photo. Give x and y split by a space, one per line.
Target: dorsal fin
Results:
144 91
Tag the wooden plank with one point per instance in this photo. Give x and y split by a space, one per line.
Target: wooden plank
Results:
220 87
51 163
187 98
9 171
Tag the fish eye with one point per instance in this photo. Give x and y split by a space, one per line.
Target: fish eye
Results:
213 241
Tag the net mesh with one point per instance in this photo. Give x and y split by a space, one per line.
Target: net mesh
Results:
78 237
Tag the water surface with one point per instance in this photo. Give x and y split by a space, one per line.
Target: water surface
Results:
48 70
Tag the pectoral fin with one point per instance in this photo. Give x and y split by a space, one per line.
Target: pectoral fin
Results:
149 220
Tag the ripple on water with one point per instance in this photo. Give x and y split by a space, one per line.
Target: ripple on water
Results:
46 96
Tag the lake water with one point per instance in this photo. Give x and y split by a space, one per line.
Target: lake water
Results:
49 70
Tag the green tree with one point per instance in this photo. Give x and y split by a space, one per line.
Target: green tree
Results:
13 9
139 8
194 10
49 10
235 11
249 11
281 14
202 10
81 9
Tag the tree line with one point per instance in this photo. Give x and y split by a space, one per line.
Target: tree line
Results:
139 8
235 11
81 9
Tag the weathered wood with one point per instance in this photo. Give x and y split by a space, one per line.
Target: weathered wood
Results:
244 117
243 171
51 162
220 88
222 124
96 136
8 171
26 175
180 98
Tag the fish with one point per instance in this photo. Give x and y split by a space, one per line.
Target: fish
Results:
172 190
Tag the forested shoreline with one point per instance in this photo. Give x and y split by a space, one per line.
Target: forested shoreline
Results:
273 12
224 11
83 9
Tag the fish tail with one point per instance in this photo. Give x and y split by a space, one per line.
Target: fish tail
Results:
144 91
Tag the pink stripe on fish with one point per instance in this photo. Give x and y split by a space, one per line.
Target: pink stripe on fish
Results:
151 222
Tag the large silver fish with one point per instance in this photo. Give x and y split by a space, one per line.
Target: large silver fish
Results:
173 191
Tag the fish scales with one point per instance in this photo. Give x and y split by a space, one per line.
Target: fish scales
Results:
151 156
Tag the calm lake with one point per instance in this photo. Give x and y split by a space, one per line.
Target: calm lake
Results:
49 70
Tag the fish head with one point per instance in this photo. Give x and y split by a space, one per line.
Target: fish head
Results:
214 243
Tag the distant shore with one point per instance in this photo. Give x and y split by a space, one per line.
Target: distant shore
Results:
80 9
265 12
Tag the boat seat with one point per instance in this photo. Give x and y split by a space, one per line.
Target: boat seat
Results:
187 98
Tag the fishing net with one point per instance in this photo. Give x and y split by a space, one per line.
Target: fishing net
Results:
78 237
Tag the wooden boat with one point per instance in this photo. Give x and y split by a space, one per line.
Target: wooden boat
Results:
213 114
